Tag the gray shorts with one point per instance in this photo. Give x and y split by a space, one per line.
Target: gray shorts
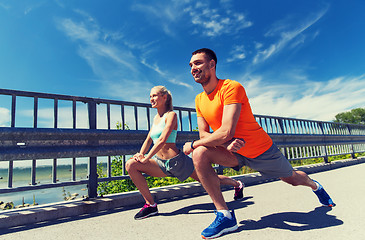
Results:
180 166
271 163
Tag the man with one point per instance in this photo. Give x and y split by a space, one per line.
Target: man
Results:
237 140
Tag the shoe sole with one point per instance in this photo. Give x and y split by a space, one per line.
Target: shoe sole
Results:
238 198
330 205
149 215
226 230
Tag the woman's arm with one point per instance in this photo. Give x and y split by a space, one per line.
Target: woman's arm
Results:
144 148
170 124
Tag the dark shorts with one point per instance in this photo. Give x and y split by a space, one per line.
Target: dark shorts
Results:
180 166
271 163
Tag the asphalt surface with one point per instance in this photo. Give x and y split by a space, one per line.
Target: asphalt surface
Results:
269 210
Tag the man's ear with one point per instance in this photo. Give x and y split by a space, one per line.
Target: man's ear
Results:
212 63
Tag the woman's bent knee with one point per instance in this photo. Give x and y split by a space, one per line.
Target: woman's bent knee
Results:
130 164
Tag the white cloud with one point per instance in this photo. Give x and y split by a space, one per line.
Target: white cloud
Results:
238 53
207 21
4 117
306 99
212 22
287 34
5 6
166 75
109 55
118 63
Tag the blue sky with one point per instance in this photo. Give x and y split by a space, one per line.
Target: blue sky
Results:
301 59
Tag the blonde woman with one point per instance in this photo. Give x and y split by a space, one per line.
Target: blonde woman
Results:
164 158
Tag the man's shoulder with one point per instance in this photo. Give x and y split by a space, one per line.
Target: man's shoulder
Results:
199 95
229 84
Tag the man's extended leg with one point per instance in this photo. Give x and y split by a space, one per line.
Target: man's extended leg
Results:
301 178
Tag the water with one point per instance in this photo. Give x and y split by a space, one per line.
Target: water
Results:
22 177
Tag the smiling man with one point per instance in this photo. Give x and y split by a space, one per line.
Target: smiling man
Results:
237 140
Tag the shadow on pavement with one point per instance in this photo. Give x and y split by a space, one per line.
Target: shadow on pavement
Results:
208 207
294 221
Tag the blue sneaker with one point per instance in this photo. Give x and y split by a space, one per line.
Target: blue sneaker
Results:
220 225
323 196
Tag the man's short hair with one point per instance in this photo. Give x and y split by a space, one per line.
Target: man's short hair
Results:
208 52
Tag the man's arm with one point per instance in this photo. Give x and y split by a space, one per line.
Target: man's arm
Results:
225 133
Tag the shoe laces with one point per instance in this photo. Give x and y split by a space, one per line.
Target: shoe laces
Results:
218 220
145 206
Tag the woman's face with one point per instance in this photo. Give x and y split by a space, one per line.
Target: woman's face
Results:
157 99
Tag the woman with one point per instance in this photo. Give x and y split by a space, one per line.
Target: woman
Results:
168 159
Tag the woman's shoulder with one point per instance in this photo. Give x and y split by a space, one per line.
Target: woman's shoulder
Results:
170 115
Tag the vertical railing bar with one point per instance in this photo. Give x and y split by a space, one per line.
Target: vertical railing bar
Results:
267 122
301 152
10 174
54 163
108 114
276 125
122 115
300 123
54 170
109 166
74 114
310 127
291 127
92 166
55 113
33 172
13 109
35 113
281 124
286 126
136 116
73 169
123 166
35 125
180 119
297 127
190 122
148 118
12 124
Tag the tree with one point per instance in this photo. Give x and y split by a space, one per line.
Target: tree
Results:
355 116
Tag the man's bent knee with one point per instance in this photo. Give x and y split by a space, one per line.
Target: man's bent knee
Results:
201 155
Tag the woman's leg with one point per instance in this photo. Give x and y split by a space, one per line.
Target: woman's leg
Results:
135 170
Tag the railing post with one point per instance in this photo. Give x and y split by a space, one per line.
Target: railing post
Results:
352 145
92 171
281 124
325 158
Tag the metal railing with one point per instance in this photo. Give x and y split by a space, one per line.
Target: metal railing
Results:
125 126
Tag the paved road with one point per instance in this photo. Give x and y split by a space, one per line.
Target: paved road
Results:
272 210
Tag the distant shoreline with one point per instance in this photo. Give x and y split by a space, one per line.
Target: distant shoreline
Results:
22 177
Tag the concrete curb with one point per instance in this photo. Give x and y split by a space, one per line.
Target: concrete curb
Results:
41 213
